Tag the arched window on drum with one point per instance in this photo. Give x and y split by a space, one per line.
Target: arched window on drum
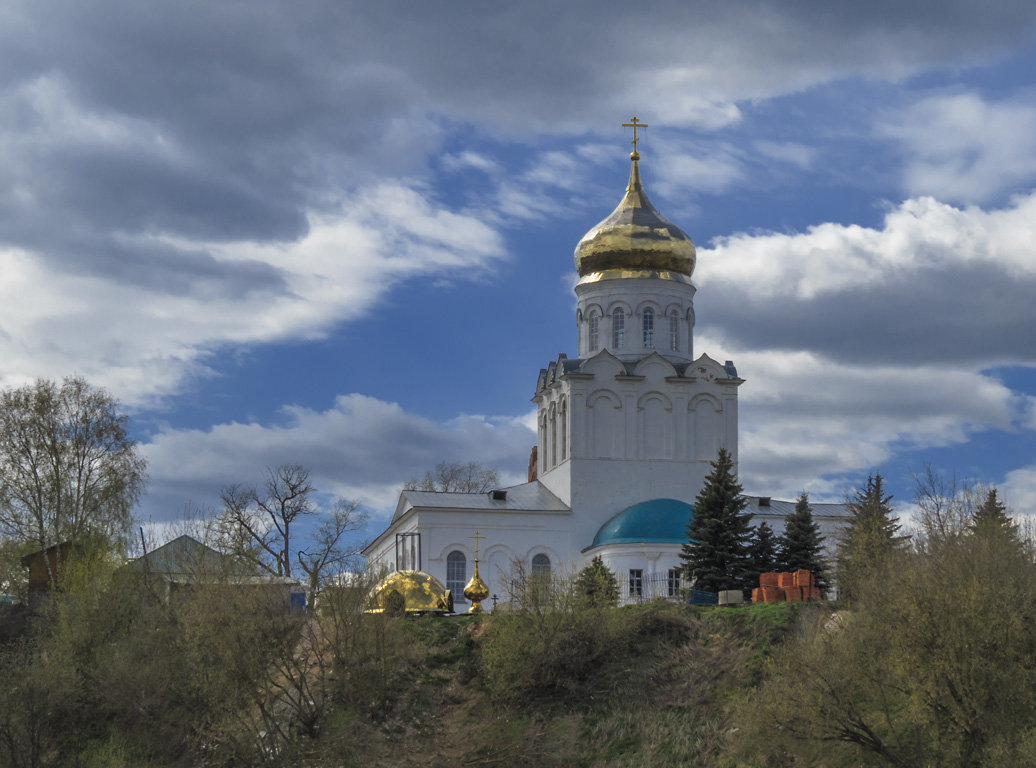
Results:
619 328
456 574
648 325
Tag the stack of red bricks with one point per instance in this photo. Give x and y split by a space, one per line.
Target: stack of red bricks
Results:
792 586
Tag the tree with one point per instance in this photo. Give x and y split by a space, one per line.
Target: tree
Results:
596 585
945 506
870 537
991 518
933 666
715 556
258 524
68 469
801 545
762 552
326 547
452 476
263 517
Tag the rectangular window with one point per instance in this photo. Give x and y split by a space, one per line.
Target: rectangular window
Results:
636 582
594 328
674 332
674 582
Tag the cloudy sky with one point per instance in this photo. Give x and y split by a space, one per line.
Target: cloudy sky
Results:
341 233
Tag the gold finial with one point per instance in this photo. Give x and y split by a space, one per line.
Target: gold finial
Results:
635 124
476 590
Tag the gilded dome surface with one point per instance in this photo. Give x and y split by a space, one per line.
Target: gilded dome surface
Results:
421 593
635 241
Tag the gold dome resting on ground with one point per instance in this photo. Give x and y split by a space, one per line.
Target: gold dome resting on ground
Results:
419 592
635 241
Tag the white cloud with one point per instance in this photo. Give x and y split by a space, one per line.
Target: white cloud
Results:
965 149
142 342
361 448
1019 490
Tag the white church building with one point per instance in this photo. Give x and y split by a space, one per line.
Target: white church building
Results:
626 433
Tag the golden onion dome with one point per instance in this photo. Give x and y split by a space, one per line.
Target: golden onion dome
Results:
420 593
635 241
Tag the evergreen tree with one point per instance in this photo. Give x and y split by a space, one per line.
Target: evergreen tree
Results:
801 545
762 553
596 585
991 518
716 554
870 538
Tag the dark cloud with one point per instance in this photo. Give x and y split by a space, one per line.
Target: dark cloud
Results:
974 315
218 121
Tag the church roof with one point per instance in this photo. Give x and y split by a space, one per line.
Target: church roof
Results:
527 497
764 505
657 520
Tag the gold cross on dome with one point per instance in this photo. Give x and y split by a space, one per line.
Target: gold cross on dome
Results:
635 124
477 538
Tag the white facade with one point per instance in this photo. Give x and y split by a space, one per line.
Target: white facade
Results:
626 432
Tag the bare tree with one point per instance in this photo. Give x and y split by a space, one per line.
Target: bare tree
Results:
260 519
945 506
327 548
448 476
68 468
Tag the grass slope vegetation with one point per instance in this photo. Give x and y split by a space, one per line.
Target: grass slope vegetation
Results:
932 664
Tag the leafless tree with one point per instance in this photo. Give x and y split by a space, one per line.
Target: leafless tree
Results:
945 507
261 518
327 548
448 476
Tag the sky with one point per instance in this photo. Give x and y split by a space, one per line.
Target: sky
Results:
340 234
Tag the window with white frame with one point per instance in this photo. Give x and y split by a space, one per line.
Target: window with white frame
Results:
618 329
456 574
674 331
564 430
594 329
673 583
636 582
648 325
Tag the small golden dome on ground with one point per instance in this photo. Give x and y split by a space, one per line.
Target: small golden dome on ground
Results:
415 591
635 240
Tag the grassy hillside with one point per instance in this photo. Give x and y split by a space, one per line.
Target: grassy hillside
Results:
645 685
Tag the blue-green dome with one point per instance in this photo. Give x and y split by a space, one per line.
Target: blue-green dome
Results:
658 520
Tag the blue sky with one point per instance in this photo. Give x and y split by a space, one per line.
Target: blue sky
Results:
341 234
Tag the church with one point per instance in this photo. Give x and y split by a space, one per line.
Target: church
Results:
626 431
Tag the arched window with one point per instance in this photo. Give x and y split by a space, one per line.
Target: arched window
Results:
553 438
541 567
649 328
564 430
595 323
456 574
618 329
674 331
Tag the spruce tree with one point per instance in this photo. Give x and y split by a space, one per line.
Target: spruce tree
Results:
801 546
870 538
596 585
762 553
991 518
715 556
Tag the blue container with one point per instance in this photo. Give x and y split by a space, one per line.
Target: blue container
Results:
701 597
